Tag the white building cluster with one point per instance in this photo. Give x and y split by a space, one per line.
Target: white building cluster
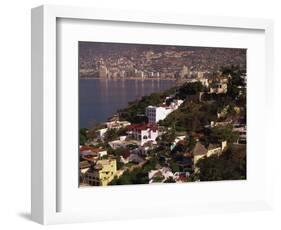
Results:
158 113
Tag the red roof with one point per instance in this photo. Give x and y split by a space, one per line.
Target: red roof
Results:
89 158
85 148
140 127
92 149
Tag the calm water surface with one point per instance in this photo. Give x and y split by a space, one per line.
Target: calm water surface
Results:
99 99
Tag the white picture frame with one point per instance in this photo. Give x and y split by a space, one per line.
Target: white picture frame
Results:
45 183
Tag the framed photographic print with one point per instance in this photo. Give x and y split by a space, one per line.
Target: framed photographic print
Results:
140 114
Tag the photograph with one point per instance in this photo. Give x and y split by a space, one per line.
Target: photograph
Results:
156 113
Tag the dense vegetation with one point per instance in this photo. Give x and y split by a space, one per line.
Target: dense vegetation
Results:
229 166
188 89
113 134
191 116
219 134
236 72
136 176
83 136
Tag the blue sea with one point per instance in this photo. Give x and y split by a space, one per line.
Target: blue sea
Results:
99 99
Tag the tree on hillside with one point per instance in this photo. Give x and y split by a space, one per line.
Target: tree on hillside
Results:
136 110
231 165
235 81
110 135
190 88
83 136
219 134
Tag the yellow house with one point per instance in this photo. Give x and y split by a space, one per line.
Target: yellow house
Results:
199 151
102 173
214 150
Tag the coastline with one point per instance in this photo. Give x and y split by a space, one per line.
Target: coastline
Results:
127 78
102 98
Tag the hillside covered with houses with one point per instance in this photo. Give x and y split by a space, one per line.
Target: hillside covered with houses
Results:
195 131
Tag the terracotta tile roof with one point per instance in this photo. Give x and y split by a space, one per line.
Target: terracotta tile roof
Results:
92 149
85 148
140 127
90 158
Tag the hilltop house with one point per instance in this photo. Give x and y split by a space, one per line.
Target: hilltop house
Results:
117 144
128 156
117 124
199 151
101 132
218 88
204 82
158 113
155 113
87 152
213 150
143 132
123 142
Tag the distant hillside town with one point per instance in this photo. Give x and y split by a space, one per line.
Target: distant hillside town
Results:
119 61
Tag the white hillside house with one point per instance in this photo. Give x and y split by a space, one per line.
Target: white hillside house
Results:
143 133
158 113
